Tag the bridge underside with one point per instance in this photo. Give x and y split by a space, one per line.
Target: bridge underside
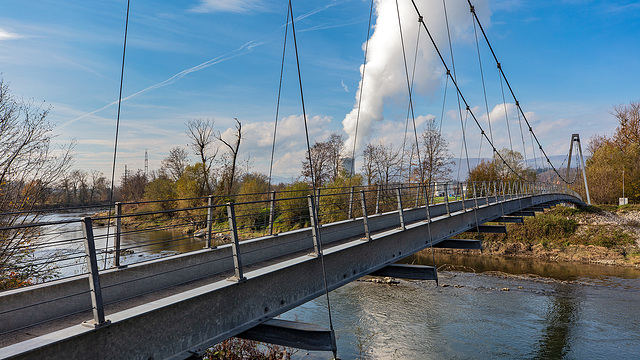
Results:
281 274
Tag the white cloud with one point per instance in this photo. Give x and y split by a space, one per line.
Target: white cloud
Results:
234 6
7 35
291 145
344 86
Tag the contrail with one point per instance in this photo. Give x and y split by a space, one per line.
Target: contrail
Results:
244 49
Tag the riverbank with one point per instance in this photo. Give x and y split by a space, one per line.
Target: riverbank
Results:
605 235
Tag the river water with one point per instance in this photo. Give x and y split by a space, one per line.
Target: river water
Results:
509 308
484 307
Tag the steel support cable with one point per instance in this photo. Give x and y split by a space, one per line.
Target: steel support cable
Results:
406 71
364 68
313 180
511 90
463 124
484 88
464 100
406 125
506 116
413 118
275 125
115 143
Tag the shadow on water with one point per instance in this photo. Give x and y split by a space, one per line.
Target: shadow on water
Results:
474 261
563 311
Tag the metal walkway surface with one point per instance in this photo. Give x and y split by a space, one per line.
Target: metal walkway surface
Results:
177 307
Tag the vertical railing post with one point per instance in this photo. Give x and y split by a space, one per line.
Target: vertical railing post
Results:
317 202
426 206
475 195
400 209
495 191
485 185
446 199
118 214
417 195
378 199
364 215
272 211
94 276
235 243
350 215
315 234
209 243
462 191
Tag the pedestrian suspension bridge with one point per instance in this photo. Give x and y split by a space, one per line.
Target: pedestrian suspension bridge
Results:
167 280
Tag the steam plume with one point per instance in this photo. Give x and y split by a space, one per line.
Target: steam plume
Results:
385 77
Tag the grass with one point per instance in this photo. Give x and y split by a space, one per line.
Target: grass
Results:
558 228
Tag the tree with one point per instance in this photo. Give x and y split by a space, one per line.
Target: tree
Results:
200 131
326 160
132 186
29 166
99 187
628 116
511 169
604 173
434 155
609 157
161 189
175 163
381 164
230 169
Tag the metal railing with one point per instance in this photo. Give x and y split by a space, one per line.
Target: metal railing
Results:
129 233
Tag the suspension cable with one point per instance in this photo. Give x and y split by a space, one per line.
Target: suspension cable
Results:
468 107
463 124
406 126
364 68
306 129
484 88
542 152
115 142
413 117
275 123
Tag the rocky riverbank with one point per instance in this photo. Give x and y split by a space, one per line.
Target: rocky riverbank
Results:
609 235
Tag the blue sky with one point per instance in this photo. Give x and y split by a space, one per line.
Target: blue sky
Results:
569 63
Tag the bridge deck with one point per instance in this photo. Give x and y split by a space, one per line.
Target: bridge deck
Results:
195 299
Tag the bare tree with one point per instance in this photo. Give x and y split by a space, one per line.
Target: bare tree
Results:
628 132
434 154
228 176
78 179
132 186
381 164
99 186
201 132
175 163
29 166
326 161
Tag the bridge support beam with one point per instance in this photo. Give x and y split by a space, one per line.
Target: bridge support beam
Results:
523 213
293 334
492 229
411 272
459 244
539 208
510 219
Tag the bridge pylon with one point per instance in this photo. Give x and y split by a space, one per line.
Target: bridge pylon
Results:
576 138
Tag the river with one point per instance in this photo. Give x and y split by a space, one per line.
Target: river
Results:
484 307
509 308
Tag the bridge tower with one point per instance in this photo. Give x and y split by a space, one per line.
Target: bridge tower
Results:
576 138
